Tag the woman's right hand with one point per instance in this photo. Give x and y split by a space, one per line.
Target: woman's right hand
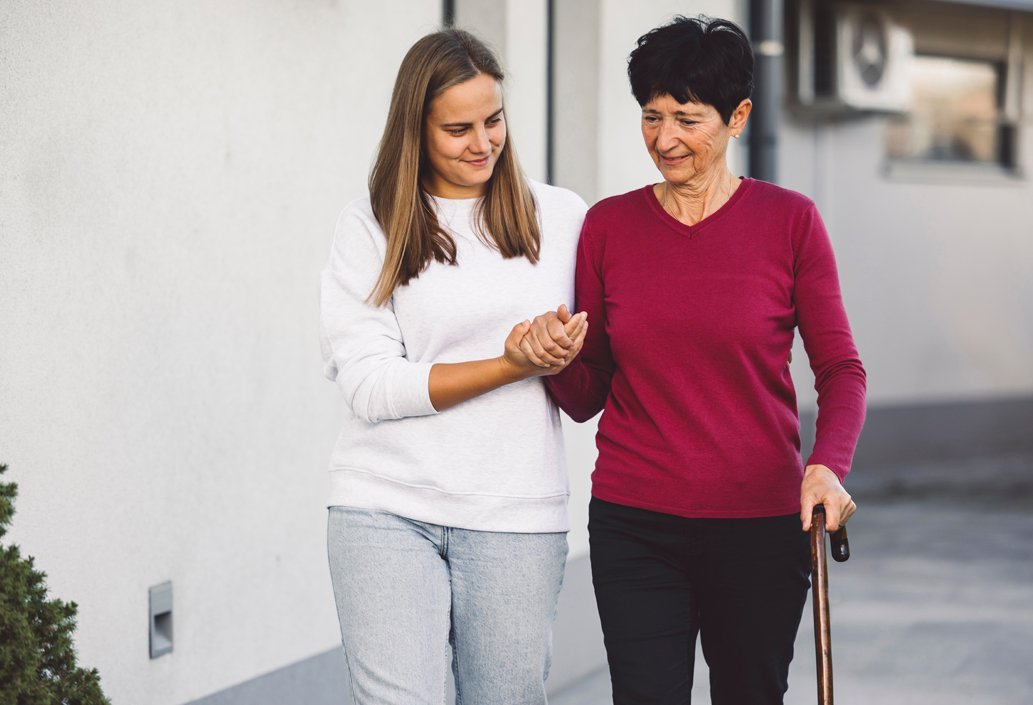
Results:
522 342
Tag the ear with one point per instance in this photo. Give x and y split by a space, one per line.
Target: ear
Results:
737 123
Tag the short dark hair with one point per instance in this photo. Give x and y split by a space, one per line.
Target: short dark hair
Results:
698 60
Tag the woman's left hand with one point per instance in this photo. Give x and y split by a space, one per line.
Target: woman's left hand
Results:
518 354
550 340
822 486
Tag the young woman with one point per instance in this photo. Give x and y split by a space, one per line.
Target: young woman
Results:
449 491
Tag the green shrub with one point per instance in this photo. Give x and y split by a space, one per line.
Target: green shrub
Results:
37 661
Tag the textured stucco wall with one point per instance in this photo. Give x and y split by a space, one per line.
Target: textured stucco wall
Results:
170 173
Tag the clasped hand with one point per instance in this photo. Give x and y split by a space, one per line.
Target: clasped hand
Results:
548 344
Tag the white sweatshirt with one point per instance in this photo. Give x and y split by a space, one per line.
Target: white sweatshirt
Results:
494 463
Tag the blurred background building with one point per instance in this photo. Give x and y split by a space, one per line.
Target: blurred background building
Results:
170 173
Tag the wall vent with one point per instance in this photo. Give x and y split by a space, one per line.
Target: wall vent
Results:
161 619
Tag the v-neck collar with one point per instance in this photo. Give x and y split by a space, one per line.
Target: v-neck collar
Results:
692 230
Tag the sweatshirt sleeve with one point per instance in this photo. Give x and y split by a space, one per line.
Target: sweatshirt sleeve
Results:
581 390
363 347
839 377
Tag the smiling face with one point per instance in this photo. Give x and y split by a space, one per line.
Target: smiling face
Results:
688 141
463 137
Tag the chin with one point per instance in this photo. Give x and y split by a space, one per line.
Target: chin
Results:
682 175
481 175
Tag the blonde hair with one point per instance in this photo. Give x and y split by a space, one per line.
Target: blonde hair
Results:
507 215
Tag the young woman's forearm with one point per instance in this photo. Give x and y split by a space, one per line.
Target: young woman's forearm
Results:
453 383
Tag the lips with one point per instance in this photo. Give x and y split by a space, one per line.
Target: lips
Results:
478 162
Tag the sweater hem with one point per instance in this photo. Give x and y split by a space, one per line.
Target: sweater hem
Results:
361 489
691 513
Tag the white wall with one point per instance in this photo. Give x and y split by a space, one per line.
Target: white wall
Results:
526 26
170 173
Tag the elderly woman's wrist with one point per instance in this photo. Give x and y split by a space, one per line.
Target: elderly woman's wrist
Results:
821 469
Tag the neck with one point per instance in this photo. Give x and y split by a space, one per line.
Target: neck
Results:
699 198
436 186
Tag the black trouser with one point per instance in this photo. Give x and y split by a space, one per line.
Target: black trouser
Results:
660 578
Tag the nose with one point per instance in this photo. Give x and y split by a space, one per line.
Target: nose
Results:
480 143
665 136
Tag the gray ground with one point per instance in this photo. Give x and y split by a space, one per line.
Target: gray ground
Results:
936 603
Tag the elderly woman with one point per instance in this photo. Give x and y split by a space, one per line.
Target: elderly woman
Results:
693 288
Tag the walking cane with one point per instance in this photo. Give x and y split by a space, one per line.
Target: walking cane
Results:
820 598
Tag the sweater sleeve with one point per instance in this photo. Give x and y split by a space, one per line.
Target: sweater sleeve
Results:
581 390
363 348
839 377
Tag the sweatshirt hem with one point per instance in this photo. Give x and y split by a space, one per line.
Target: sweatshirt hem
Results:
361 489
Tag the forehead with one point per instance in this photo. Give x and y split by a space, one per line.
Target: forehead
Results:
666 104
477 98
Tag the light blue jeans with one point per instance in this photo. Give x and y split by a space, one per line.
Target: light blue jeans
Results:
406 590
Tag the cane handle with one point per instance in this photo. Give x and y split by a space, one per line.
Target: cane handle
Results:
840 545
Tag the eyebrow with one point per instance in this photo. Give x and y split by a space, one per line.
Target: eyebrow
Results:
470 124
680 113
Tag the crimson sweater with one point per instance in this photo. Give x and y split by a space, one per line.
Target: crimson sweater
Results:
687 353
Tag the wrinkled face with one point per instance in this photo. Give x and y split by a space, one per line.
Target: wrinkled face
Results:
463 136
688 140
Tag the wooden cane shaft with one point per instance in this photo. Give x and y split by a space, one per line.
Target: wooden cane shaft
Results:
820 600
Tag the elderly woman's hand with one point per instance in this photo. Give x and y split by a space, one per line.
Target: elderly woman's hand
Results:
520 353
822 486
551 338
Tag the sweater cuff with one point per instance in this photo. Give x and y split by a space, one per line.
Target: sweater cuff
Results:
837 469
410 394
